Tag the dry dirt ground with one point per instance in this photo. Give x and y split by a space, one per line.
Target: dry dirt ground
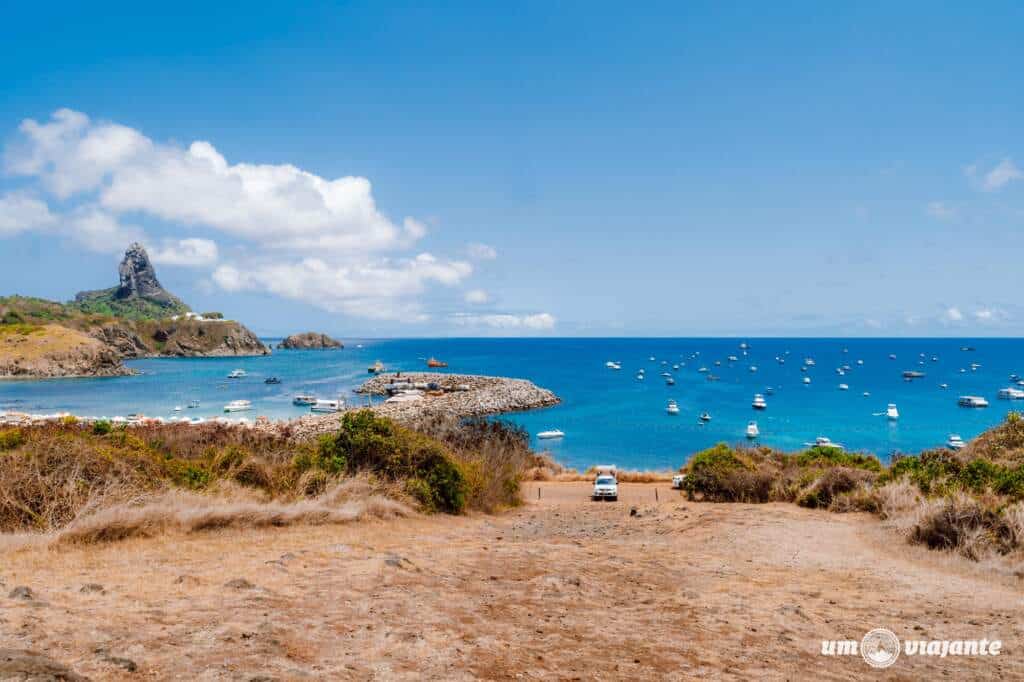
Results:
562 588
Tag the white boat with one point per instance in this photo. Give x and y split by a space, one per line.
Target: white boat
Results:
406 396
193 404
327 406
892 356
670 381
651 358
891 413
867 394
955 442
752 431
732 358
672 407
238 406
304 399
177 408
860 362
824 442
236 374
807 380
640 376
753 368
547 435
844 387
972 401
1011 394
612 365
704 417
758 402
702 370
943 385
809 362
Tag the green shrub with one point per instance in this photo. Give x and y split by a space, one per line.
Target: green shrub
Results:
720 474
831 456
10 439
102 428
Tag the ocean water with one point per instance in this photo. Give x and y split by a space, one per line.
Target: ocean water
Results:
609 416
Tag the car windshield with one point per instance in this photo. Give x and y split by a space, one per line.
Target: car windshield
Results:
605 480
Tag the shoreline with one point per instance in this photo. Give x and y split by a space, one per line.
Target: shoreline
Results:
417 395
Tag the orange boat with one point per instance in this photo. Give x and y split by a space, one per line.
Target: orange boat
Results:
434 362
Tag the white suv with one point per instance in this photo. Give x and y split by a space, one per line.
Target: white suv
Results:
605 488
677 481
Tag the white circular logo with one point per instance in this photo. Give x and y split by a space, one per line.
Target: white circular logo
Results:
880 648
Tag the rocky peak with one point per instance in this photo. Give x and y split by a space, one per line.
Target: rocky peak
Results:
138 277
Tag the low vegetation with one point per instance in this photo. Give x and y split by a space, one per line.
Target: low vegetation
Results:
971 501
66 477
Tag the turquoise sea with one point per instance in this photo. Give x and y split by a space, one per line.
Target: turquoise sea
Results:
609 416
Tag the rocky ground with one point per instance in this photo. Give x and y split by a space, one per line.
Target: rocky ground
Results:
562 588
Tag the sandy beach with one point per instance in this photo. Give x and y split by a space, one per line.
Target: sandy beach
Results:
560 588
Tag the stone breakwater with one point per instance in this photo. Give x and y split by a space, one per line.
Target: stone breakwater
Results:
457 395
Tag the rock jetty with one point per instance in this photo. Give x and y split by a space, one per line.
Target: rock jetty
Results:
310 341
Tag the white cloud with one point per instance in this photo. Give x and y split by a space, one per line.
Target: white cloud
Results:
279 206
952 314
940 210
990 314
477 296
383 290
503 321
100 231
1003 173
191 253
481 252
319 240
20 212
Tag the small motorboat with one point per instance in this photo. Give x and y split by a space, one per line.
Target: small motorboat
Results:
769 391
807 380
177 408
193 404
672 407
943 385
753 368
732 358
809 362
913 374
1011 394
639 376
860 362
304 399
376 368
891 413
271 380
972 401
236 374
434 362
752 430
759 402
844 387
548 435
238 406
669 381
955 442
892 356
702 370
704 417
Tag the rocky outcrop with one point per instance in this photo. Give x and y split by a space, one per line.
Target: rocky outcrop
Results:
55 351
200 338
123 340
138 295
310 341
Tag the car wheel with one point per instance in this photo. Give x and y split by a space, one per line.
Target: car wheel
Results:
614 499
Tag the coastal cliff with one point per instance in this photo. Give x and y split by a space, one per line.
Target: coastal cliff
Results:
310 341
54 351
92 334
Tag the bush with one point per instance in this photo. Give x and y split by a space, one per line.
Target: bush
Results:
10 439
831 456
832 483
102 428
720 474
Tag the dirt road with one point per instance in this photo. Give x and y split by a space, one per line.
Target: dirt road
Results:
562 588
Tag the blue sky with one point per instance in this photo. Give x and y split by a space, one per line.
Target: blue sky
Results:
388 169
